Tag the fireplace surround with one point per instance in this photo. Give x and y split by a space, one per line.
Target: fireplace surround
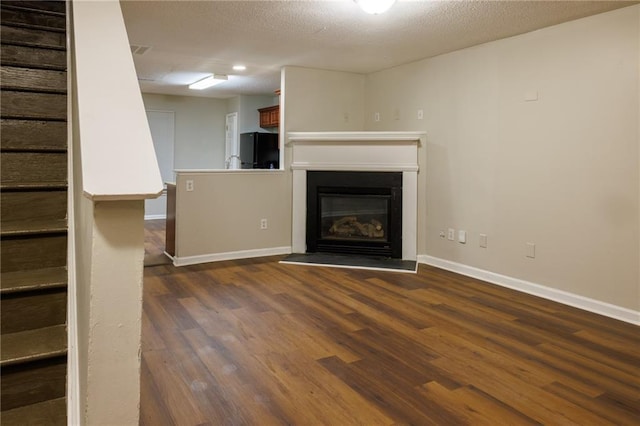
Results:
380 152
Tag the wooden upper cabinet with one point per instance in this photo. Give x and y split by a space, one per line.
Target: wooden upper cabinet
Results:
270 116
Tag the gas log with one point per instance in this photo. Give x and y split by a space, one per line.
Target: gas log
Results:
349 226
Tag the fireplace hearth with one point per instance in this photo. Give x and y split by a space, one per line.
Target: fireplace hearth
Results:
355 213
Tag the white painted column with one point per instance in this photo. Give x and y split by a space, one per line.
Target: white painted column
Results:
299 213
410 215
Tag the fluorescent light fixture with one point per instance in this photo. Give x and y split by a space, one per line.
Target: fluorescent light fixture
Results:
375 7
207 82
239 68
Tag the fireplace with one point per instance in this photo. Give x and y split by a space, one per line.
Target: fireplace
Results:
354 212
355 152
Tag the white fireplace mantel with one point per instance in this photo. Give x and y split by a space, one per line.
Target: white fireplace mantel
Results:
356 151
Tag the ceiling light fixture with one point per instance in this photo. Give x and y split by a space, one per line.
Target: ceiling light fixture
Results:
239 68
207 82
375 7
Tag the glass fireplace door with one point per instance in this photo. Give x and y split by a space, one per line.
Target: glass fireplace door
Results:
354 217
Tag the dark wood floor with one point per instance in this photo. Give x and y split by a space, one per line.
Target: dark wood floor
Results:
154 236
256 342
154 243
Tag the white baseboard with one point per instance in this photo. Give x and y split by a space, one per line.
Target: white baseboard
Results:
155 216
575 300
232 255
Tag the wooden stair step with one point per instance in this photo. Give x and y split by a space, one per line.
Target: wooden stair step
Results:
33 252
32 383
37 226
18 78
28 186
36 106
33 57
32 280
48 413
54 6
32 37
32 169
32 345
33 135
32 18
32 310
18 206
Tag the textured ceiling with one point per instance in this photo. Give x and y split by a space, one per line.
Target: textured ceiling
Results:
190 39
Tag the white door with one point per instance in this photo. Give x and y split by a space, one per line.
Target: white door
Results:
232 153
161 125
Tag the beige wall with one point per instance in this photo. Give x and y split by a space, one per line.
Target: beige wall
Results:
199 129
222 215
223 212
248 115
320 100
561 172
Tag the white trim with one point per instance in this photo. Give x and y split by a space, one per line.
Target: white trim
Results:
299 211
330 167
564 297
236 171
73 366
120 197
155 216
356 151
409 215
232 255
366 137
99 27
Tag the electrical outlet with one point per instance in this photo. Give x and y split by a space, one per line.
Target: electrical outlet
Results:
263 224
462 236
420 114
189 185
483 240
376 116
451 234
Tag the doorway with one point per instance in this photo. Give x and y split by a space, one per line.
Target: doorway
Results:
232 152
162 127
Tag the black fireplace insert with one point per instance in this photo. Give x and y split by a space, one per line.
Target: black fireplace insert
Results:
354 212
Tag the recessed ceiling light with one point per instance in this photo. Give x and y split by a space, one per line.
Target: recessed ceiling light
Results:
239 67
375 7
207 82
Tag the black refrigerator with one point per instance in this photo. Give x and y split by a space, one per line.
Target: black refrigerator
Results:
259 150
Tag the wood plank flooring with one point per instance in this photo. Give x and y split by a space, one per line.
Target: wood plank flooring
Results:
255 342
154 243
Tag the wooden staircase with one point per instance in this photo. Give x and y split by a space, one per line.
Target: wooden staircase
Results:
33 228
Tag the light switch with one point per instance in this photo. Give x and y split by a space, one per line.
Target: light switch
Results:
531 250
462 236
